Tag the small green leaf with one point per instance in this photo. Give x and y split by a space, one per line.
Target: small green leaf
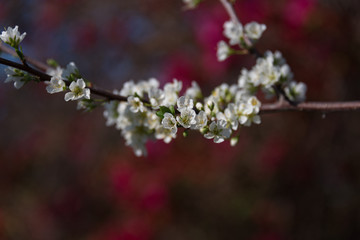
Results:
164 109
172 110
137 95
160 114
52 63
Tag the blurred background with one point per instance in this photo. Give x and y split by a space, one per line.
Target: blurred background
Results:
65 175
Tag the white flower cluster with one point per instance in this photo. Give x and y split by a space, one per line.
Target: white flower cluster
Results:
217 117
244 37
12 36
269 71
137 120
152 112
78 90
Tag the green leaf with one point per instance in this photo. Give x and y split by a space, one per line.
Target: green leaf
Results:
160 114
172 110
137 95
52 63
164 109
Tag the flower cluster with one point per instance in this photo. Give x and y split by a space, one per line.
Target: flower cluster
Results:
138 120
237 34
216 116
148 112
77 87
271 73
59 77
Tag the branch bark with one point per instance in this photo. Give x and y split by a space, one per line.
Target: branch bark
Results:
280 106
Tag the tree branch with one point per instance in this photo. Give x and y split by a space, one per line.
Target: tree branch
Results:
45 77
280 106
324 107
39 65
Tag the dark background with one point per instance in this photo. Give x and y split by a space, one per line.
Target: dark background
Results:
65 175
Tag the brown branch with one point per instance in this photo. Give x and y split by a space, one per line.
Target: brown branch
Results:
280 106
39 65
45 77
324 107
230 10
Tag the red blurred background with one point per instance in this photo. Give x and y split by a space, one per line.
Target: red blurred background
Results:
64 175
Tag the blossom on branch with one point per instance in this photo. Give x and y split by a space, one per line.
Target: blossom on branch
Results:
169 122
144 111
55 85
233 31
78 91
12 36
136 104
223 51
16 76
218 131
186 118
296 91
254 30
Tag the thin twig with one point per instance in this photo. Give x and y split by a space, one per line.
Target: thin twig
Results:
323 107
45 77
230 10
39 65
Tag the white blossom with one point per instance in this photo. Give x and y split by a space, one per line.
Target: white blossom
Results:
218 131
152 120
186 118
211 106
201 120
169 122
184 102
254 30
234 141
136 104
71 69
55 85
78 91
111 114
156 96
255 104
16 76
127 89
55 72
199 106
164 133
175 86
171 91
223 51
248 112
194 91
12 36
296 91
233 31
230 114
